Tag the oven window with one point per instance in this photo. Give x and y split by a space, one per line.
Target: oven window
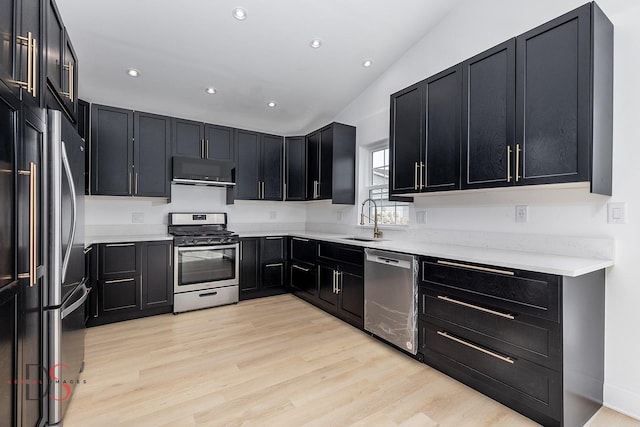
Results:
197 265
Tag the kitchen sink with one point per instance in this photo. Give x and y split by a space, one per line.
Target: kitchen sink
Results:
363 239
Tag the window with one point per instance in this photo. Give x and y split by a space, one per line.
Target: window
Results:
390 213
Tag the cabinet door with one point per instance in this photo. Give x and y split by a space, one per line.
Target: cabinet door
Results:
443 94
8 355
406 139
249 264
351 291
157 274
8 33
152 150
343 188
295 171
553 93
29 18
327 283
188 138
218 142
118 260
313 165
69 77
111 151
326 163
271 160
119 295
8 134
55 47
303 278
488 118
248 185
30 321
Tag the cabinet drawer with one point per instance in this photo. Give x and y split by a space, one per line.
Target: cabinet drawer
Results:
303 278
119 295
522 385
537 340
117 259
536 294
303 250
272 250
341 253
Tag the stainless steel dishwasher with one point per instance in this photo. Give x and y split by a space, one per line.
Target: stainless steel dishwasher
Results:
391 297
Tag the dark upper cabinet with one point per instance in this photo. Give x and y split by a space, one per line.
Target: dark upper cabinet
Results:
406 139
157 271
130 153
331 164
111 151
21 50
489 118
564 100
295 168
248 186
259 166
206 141
84 128
188 138
61 63
152 155
440 167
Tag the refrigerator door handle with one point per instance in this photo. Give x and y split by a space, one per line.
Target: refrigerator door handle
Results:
73 307
74 219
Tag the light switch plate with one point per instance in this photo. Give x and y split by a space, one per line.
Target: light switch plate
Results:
522 213
273 214
617 213
137 217
421 217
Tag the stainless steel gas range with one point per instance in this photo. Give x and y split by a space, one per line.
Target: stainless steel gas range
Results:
206 260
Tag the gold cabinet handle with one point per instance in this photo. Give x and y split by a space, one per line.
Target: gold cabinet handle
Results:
476 307
297 267
475 347
32 57
509 163
70 68
415 175
475 267
518 150
33 218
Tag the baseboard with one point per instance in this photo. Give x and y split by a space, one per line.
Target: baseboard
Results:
622 400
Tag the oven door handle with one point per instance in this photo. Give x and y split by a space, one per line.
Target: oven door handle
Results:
205 248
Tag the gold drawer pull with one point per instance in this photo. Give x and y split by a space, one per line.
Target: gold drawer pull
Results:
475 347
119 280
475 307
475 267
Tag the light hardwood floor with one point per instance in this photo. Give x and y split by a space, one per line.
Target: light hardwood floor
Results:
269 362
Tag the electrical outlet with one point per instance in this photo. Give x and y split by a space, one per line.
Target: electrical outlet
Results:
522 213
273 214
137 218
617 213
421 217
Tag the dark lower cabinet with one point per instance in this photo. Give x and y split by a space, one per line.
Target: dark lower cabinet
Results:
262 266
533 341
134 279
8 354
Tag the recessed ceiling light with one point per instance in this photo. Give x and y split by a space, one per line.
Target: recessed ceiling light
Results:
315 43
272 104
132 72
239 13
210 90
367 63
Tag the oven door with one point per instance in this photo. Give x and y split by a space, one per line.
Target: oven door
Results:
205 267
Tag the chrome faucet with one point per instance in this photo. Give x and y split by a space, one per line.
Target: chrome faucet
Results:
376 231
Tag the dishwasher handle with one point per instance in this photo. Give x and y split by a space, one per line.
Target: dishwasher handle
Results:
390 259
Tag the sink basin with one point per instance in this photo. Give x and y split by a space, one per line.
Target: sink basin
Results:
363 239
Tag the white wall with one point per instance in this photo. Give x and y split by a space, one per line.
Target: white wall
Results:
469 29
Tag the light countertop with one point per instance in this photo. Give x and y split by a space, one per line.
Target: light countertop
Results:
119 238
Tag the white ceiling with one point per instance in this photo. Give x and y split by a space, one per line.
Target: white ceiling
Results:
182 47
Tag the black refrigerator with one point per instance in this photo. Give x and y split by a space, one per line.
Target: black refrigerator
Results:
66 290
